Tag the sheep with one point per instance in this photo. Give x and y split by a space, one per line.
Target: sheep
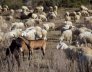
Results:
66 27
38 32
49 25
67 13
83 8
0 9
29 34
83 29
25 8
68 23
42 17
51 15
84 38
62 45
41 33
44 34
4 26
13 33
10 18
84 13
55 10
39 9
35 33
12 12
67 36
18 25
1 36
34 16
67 18
90 11
77 18
87 20
32 22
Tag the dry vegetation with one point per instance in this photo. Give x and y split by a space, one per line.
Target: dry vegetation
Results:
54 60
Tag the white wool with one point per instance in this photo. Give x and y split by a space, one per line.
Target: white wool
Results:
62 45
68 23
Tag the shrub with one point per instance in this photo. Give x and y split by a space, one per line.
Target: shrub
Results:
13 3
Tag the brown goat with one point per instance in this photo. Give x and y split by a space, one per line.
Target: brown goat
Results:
38 44
33 44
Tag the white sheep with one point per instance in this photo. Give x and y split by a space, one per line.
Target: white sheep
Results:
67 18
34 16
14 33
77 18
83 8
1 36
49 25
67 36
29 34
67 13
18 25
84 38
42 17
34 33
52 15
62 45
84 13
40 8
88 19
25 8
68 23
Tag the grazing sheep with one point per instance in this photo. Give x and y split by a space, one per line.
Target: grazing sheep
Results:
88 20
40 9
62 45
51 15
34 16
14 33
1 36
77 18
42 17
25 8
85 38
32 22
68 23
67 13
84 13
67 36
83 8
44 34
83 29
49 25
18 25
67 18
55 9
29 34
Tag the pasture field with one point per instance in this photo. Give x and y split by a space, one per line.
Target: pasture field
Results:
53 61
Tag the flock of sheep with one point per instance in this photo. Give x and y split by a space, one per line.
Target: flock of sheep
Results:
34 24
28 24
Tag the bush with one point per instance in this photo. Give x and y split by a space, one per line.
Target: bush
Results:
13 3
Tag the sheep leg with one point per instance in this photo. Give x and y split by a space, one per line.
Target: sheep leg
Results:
29 55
